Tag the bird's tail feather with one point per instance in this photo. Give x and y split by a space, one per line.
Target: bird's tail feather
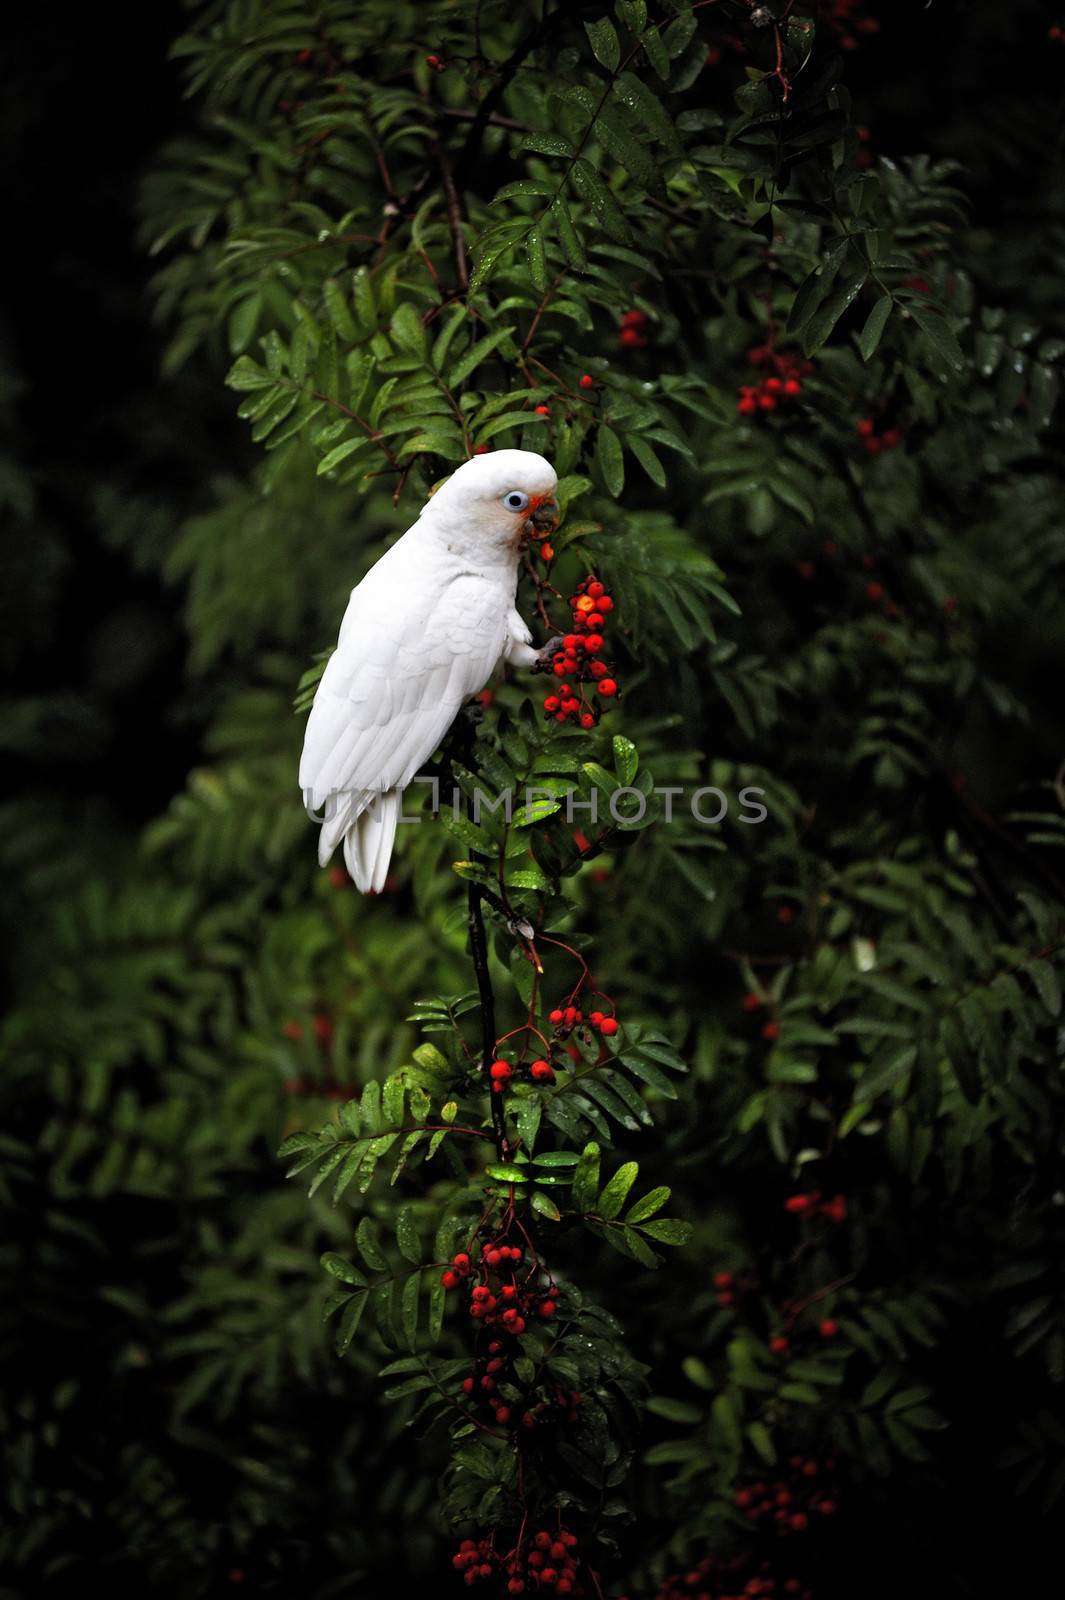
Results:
368 841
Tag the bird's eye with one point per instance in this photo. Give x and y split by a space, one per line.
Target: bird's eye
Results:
516 500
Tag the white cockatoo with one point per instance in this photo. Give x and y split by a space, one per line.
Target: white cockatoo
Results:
423 632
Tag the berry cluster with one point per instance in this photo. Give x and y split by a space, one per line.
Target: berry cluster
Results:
579 660
502 1072
735 1579
786 1504
781 383
565 1018
729 1287
847 22
546 1561
497 1299
810 1205
874 442
633 332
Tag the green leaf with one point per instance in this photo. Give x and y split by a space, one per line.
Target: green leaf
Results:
609 460
646 1207
546 1207
938 332
668 1230
409 1308
606 46
824 320
534 246
645 105
340 453
476 354
674 1410
408 331
760 1437
243 321
349 1322
591 188
407 1236
875 324
507 1173
586 1177
626 760
627 150
1047 985
339 1267
369 1246
614 1195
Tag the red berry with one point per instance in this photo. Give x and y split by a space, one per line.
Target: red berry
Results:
587 381
542 1072
631 339
323 1030
543 411
293 1031
587 720
481 449
593 643
450 1279
555 1016
599 669
500 1071
609 1025
874 591
778 1345
548 1308
722 1280
828 1328
547 552
337 877
502 1415
785 914
433 62
603 601
551 703
771 1030
867 427
792 386
607 687
752 1001
800 1204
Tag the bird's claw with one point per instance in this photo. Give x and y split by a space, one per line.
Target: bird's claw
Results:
545 661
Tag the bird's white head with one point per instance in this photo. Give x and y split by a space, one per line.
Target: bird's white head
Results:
488 503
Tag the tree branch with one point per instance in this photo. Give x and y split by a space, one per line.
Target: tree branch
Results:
479 951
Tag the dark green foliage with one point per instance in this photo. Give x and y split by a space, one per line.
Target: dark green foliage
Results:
856 1000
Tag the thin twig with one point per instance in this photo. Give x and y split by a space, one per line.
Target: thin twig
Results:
454 214
479 951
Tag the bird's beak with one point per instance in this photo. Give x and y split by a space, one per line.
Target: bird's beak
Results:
544 513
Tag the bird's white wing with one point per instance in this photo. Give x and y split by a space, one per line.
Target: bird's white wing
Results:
416 641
